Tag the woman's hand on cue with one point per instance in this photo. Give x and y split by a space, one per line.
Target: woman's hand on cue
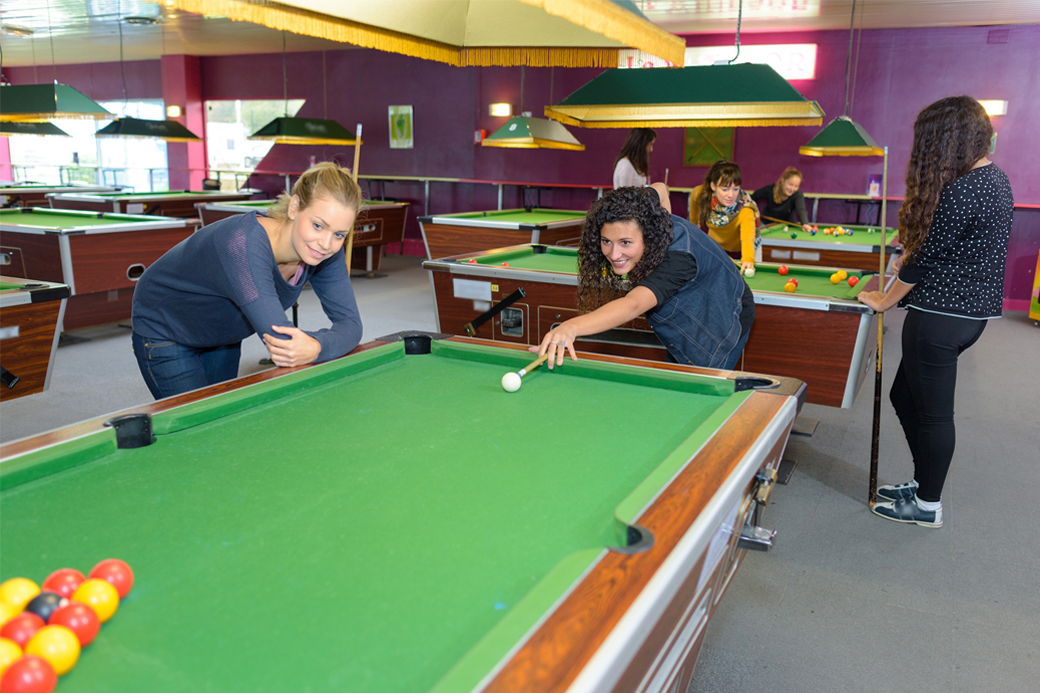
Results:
299 350
556 344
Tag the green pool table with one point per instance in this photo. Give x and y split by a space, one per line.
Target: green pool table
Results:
395 521
453 234
35 195
821 334
381 222
175 203
100 256
860 251
30 312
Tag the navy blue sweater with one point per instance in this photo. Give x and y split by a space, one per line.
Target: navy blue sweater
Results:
222 285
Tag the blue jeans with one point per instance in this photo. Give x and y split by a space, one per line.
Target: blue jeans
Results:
734 356
171 369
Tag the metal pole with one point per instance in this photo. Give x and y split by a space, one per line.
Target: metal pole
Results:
875 440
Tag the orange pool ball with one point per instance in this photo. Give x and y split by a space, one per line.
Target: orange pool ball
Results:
58 645
99 596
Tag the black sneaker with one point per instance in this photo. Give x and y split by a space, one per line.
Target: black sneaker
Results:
909 512
898 492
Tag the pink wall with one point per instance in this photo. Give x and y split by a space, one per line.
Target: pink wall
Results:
900 71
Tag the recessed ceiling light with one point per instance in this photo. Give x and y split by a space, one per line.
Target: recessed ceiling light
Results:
15 30
141 20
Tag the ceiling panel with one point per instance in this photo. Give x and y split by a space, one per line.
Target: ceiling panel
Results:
87 31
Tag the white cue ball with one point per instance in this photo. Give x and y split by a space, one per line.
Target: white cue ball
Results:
749 272
511 382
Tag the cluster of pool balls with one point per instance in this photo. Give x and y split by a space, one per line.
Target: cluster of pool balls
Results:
791 285
830 231
44 627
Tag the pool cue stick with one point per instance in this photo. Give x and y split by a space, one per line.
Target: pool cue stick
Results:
666 178
875 438
353 174
534 364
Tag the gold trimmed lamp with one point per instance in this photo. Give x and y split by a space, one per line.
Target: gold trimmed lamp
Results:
743 94
522 132
43 102
466 33
842 137
291 130
526 132
126 126
15 127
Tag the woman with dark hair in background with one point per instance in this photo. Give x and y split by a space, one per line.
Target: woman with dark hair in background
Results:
632 165
783 200
954 227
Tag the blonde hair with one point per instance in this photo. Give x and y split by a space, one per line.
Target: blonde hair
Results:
325 178
778 189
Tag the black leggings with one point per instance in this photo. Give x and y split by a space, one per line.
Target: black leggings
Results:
922 393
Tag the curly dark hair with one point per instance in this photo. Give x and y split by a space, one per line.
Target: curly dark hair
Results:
597 283
721 173
949 137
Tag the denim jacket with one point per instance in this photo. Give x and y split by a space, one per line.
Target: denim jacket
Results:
700 325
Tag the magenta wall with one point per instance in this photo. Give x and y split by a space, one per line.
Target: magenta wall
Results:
900 71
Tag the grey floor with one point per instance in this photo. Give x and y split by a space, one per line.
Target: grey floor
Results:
845 601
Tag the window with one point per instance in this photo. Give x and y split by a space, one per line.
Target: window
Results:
231 154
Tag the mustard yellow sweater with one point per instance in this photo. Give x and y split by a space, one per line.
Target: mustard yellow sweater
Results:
736 236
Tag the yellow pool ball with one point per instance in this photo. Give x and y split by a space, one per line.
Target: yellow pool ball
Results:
790 287
842 275
58 645
7 612
17 592
835 278
9 652
99 596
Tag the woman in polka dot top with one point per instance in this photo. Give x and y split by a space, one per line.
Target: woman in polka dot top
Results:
954 227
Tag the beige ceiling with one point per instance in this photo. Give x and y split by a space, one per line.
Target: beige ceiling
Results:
87 31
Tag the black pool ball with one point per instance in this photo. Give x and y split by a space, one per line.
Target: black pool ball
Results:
46 603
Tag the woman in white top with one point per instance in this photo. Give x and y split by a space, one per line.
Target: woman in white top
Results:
632 166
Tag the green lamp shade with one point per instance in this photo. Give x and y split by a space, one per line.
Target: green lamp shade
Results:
842 137
533 133
287 130
42 102
701 96
26 128
169 130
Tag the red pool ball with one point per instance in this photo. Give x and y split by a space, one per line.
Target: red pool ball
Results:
22 627
80 619
782 269
505 264
116 573
472 261
853 281
30 674
63 581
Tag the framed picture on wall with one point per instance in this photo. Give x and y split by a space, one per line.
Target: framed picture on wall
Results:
705 146
401 127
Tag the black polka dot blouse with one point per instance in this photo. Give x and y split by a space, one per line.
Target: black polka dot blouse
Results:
959 268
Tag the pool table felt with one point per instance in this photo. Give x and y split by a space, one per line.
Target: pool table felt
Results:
43 218
862 236
301 529
812 281
520 216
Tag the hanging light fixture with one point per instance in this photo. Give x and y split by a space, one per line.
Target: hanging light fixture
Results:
40 103
29 128
725 94
290 130
843 136
525 132
126 126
